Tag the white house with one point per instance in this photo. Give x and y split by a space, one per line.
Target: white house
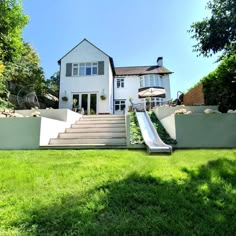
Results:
89 80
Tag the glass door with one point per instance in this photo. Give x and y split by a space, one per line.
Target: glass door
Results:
93 104
84 103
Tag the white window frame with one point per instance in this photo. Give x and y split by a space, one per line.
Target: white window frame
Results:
74 67
151 80
120 82
84 66
119 103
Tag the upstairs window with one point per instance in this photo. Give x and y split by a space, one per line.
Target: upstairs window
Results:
85 69
88 68
120 82
75 69
151 81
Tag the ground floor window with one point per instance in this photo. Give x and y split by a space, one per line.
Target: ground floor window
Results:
154 102
119 105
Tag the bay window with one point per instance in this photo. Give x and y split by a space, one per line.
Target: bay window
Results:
151 81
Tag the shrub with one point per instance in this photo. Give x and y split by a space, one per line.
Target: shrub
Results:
135 132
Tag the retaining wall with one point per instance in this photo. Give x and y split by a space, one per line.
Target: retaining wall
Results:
33 132
199 130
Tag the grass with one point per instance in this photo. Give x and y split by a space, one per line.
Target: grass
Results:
117 192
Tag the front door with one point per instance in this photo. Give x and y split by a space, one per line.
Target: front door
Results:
86 103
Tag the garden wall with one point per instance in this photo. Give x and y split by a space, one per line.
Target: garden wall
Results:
166 115
206 131
199 130
33 132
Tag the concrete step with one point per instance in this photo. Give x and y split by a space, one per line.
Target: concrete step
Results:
83 129
103 116
82 146
90 141
97 125
92 135
100 121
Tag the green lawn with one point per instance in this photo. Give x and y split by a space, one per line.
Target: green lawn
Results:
122 192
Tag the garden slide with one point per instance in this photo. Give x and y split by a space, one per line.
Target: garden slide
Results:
150 135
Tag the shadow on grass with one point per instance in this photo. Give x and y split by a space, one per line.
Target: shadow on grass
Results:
204 204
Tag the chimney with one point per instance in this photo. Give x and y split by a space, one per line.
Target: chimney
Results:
160 61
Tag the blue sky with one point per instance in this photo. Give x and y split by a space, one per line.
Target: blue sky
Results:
132 32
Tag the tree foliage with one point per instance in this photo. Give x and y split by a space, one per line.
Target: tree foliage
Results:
219 86
26 70
19 63
218 32
53 82
12 22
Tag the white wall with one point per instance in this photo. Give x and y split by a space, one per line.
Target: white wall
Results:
50 128
57 114
85 52
166 85
130 90
131 86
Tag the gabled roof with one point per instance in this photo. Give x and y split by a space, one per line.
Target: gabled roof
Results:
141 70
110 58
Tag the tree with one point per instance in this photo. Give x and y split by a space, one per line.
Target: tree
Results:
217 33
53 82
12 22
26 70
219 86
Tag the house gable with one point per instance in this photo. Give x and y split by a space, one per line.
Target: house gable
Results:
83 46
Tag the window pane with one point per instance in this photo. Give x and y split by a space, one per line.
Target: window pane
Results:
95 70
122 107
147 81
82 71
122 83
151 80
75 69
156 81
118 83
88 71
141 82
117 107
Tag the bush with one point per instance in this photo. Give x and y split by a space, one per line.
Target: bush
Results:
135 132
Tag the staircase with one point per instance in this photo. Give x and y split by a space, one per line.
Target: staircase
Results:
100 131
